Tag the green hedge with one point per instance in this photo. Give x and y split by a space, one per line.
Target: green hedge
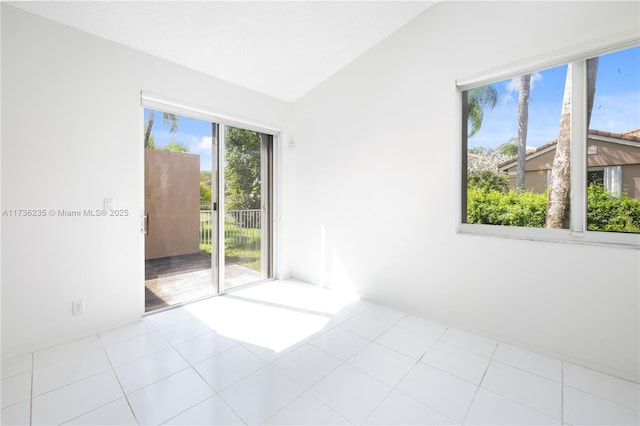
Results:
605 212
512 208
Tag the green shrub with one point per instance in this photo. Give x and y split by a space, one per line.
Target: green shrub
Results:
488 180
607 212
513 208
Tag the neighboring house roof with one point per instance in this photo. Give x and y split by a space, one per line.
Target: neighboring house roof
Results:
630 136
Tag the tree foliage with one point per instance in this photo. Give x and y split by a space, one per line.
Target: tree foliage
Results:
481 159
478 99
242 170
167 118
172 146
488 181
509 149
205 188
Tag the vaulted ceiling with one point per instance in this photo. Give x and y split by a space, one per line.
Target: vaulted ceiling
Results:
282 49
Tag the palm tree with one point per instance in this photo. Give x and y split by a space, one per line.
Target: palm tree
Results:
478 99
558 202
166 118
523 124
510 148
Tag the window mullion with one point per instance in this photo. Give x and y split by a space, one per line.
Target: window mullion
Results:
578 147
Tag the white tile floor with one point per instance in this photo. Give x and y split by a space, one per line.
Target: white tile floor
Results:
282 353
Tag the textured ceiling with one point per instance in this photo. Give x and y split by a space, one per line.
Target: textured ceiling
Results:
282 49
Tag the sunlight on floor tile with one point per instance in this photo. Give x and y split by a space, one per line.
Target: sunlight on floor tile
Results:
263 315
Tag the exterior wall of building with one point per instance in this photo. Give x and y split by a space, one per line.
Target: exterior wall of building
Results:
172 201
602 154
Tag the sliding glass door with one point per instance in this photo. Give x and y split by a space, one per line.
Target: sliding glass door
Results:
208 202
247 206
180 218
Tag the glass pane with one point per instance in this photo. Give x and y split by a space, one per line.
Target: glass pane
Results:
178 245
243 215
524 115
613 143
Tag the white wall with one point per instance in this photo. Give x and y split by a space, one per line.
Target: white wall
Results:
377 149
71 136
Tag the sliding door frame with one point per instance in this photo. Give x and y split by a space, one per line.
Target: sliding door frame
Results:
269 135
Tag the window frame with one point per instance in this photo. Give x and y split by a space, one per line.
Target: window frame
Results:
578 232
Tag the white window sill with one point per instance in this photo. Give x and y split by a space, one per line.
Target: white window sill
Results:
565 236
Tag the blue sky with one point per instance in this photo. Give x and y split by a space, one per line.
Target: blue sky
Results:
192 133
616 106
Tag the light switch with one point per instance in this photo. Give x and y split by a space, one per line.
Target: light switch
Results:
108 204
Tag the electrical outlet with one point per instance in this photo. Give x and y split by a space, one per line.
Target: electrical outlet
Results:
77 307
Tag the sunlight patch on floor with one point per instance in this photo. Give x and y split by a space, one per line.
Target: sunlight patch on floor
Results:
274 315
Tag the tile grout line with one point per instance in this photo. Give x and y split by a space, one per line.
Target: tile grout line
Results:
88 377
417 362
113 370
393 388
484 374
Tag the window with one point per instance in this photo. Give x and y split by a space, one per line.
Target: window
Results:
555 153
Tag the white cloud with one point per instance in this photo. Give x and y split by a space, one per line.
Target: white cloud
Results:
201 144
513 86
536 76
